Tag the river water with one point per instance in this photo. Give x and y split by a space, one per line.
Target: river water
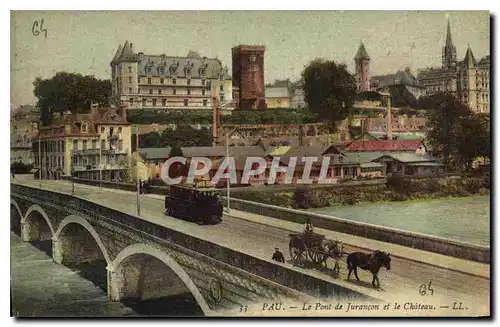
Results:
464 219
40 287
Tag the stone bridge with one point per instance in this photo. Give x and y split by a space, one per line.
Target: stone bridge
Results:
143 260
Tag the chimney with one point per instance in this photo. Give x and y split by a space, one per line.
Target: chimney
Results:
215 125
131 46
301 134
93 108
122 111
389 119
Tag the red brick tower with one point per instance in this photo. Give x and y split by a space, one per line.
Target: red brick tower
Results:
248 76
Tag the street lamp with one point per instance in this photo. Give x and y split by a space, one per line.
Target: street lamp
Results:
137 167
39 160
228 183
72 173
138 185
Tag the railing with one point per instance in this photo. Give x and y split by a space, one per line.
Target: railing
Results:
96 151
85 151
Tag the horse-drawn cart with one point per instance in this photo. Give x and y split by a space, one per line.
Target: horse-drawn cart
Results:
316 247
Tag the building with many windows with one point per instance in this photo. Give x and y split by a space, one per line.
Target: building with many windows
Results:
23 127
85 145
404 79
167 82
468 80
474 82
278 97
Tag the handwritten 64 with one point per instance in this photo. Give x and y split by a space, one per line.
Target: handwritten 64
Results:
37 28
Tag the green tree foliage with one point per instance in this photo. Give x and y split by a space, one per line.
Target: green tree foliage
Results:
473 139
329 89
69 91
237 117
183 136
368 96
402 98
444 123
455 131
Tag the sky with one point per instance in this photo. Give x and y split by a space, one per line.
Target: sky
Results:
84 42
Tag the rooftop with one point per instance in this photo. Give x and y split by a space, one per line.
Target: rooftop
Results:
384 145
277 92
192 65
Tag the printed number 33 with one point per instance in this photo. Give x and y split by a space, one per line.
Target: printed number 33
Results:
243 308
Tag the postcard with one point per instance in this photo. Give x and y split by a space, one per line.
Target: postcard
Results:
250 164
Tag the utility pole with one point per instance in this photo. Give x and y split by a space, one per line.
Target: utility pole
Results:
100 161
72 156
137 167
228 183
39 160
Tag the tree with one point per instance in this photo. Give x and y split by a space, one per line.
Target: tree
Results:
183 135
69 91
329 89
402 98
455 130
474 139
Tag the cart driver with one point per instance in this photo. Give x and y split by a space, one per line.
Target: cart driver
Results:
308 228
308 232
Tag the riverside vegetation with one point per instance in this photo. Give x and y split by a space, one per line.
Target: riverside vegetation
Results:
397 188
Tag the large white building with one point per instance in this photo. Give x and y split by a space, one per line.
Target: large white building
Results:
166 82
468 80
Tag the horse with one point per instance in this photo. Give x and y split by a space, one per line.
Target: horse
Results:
372 262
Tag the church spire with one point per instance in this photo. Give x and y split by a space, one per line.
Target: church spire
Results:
449 50
449 41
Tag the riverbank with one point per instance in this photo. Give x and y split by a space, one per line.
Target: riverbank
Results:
397 189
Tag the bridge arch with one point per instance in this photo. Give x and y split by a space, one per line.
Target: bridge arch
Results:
37 228
128 273
16 217
64 240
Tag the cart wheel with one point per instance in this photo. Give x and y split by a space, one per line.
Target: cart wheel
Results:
298 256
316 255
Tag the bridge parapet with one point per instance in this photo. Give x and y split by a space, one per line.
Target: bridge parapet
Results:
380 233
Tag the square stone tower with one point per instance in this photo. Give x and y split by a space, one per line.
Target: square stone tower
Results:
248 76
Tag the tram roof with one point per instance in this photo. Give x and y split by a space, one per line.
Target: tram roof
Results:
197 189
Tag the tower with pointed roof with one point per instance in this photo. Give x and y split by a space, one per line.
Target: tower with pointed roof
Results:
123 72
362 62
449 50
474 82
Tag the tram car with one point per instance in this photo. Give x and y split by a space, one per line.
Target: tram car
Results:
198 205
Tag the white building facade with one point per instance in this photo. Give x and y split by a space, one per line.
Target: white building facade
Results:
141 81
